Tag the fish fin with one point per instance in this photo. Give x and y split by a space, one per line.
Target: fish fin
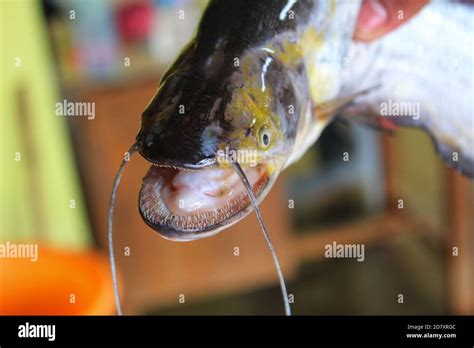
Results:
453 155
450 151
363 114
328 110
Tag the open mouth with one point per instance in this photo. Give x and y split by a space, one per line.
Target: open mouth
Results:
185 204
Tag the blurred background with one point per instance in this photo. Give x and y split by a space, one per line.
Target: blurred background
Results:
394 196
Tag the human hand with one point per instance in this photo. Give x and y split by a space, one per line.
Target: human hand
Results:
379 17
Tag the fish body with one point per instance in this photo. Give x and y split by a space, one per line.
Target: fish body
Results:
253 81
426 66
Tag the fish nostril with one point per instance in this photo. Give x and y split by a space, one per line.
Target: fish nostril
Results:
149 140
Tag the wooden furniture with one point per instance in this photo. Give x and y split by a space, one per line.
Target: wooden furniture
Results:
158 271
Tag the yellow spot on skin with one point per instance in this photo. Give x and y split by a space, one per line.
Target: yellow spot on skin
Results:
306 49
333 7
254 105
317 82
251 106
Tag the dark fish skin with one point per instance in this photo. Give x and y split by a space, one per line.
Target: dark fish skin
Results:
203 79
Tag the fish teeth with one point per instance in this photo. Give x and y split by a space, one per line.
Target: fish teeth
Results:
155 211
177 168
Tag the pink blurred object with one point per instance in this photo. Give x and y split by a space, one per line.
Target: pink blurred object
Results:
134 21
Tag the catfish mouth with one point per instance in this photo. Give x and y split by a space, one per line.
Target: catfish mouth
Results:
183 204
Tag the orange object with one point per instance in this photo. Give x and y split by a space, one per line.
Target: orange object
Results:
60 282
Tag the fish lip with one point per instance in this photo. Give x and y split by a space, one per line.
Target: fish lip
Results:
156 159
172 233
202 164
177 235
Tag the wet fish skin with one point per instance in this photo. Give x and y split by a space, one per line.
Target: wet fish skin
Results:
428 61
204 80
301 63
246 81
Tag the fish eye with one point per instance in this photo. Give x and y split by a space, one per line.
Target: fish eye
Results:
264 137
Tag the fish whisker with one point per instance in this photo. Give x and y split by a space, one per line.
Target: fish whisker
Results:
133 148
253 201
